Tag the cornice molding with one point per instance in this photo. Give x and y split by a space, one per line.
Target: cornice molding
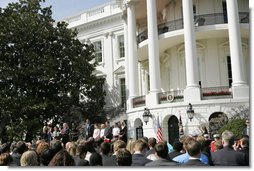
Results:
94 23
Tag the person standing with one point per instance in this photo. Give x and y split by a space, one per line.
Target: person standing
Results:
88 129
108 131
246 130
123 132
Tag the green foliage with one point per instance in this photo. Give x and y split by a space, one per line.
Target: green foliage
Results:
43 67
236 126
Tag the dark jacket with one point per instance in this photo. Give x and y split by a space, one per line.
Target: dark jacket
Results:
139 160
194 162
111 161
162 162
229 157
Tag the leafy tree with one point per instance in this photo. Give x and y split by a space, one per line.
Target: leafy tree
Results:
44 69
236 126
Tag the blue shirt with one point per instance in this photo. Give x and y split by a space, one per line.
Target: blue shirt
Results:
185 157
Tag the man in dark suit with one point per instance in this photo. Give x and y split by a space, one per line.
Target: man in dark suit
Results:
178 147
194 150
138 157
161 153
108 131
88 129
151 145
228 156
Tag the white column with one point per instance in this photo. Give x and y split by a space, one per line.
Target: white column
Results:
153 53
126 57
239 85
132 52
192 91
251 40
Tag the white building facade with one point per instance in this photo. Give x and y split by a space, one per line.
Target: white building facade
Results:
165 54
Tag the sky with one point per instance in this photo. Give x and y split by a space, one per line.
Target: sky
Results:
65 8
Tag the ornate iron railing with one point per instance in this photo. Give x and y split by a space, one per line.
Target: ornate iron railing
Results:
199 20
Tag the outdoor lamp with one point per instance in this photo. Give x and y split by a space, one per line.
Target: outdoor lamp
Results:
146 115
190 112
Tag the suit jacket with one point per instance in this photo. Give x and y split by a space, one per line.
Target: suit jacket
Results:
111 161
88 131
229 157
150 151
173 154
162 162
108 132
139 160
194 162
123 134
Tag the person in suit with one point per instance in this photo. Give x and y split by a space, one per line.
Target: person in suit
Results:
194 150
138 157
80 156
105 149
108 131
123 157
123 132
161 153
88 129
244 144
111 161
150 154
178 147
246 130
228 156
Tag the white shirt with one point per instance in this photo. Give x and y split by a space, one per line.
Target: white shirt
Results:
102 133
96 133
116 131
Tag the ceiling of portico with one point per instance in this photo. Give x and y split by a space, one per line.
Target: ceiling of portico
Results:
141 9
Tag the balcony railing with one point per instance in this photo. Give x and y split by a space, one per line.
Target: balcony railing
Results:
139 101
199 20
171 96
216 93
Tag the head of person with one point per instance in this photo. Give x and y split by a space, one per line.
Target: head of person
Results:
41 147
105 148
218 145
244 142
228 138
247 122
46 156
81 151
20 147
151 142
118 145
178 146
161 150
194 148
56 146
140 146
130 145
123 157
216 137
29 158
62 158
87 121
95 159
5 159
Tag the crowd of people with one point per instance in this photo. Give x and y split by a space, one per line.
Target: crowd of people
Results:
103 145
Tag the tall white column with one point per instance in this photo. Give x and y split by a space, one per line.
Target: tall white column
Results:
239 85
153 53
251 40
132 52
192 91
126 58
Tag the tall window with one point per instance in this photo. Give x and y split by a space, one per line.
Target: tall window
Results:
225 15
98 51
123 92
121 46
229 71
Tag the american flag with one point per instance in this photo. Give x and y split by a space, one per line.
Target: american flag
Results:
159 135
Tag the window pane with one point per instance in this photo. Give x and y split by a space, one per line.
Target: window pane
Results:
98 51
121 45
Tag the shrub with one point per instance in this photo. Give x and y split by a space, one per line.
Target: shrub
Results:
236 126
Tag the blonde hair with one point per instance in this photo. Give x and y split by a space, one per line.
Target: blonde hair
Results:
130 145
29 158
118 145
